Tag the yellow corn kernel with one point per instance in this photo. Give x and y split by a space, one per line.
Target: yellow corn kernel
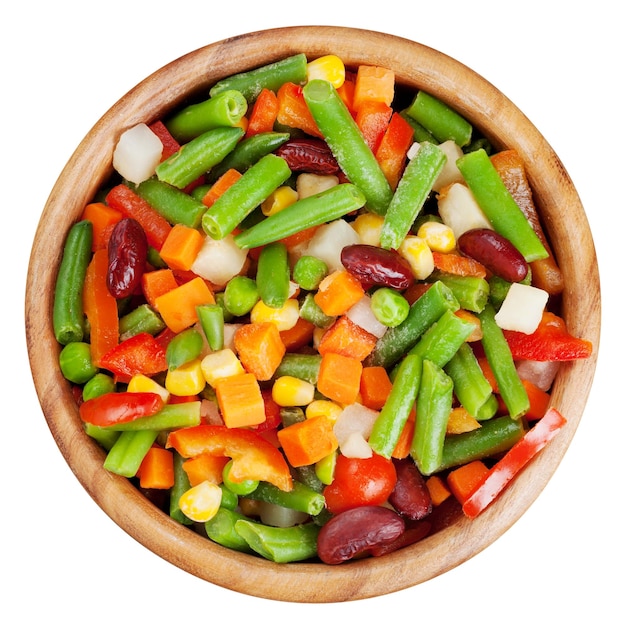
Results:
368 227
329 409
419 256
220 364
201 502
328 67
278 200
141 383
438 236
292 391
186 380
284 317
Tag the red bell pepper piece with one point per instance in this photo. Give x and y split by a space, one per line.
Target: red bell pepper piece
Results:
513 461
119 408
140 354
170 145
550 342
254 458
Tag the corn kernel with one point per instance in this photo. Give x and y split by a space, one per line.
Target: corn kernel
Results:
292 391
329 409
284 317
201 502
278 200
438 236
329 67
141 383
419 256
186 380
368 226
220 364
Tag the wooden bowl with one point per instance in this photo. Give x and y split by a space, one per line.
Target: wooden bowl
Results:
416 66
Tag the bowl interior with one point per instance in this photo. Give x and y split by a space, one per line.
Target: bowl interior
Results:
188 77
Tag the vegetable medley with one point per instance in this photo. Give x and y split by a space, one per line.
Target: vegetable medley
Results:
312 312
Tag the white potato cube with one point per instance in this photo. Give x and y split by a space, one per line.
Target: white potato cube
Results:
522 308
328 241
450 172
219 260
460 211
137 153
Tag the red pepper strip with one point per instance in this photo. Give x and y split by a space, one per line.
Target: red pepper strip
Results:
550 342
140 354
119 408
254 458
170 145
512 462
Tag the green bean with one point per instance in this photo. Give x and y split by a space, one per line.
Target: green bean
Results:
221 529
472 292
170 417
439 119
272 277
420 134
271 76
247 152
311 312
347 144
184 347
211 318
240 295
127 453
291 415
500 360
198 156
413 188
303 366
105 438
499 205
389 306
98 385
388 425
308 272
434 403
181 485
68 316
76 363
489 409
176 206
227 109
142 319
307 475
315 210
301 498
243 196
229 500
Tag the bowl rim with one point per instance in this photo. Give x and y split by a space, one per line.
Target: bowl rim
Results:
193 73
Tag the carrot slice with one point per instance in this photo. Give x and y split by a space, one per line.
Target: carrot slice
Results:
181 247
338 292
157 469
260 348
178 306
347 338
339 377
309 441
240 400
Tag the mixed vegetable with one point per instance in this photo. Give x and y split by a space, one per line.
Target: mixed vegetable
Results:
313 312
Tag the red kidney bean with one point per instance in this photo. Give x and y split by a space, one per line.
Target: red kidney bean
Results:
308 155
495 252
377 266
413 534
410 496
128 250
356 532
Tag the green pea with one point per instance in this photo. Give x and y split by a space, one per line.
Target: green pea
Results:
309 271
185 347
390 307
240 295
98 385
75 362
243 488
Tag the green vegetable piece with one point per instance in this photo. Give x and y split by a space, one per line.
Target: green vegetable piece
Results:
230 500
325 468
499 205
243 488
420 134
105 438
170 417
221 529
307 475
181 485
127 453
68 318
308 272
243 196
301 498
240 295
75 362
389 306
98 385
489 409
211 317
471 292
184 347
272 277
347 144
311 312
303 366
142 319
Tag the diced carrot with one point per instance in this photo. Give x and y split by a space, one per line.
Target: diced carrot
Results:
177 307
405 441
453 263
181 247
156 283
309 441
157 469
375 387
293 110
463 480
346 92
300 237
229 177
338 292
100 307
539 401
372 119
437 489
170 145
393 147
460 421
339 378
263 114
260 348
205 467
373 83
298 336
103 219
468 316
347 338
240 400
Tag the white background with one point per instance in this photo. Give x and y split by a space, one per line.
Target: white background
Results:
63 65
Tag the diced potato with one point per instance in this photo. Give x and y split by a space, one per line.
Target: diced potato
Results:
137 153
460 211
522 308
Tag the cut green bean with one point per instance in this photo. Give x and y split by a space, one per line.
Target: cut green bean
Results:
211 317
312 312
181 485
198 156
176 206
68 317
272 277
499 205
434 403
472 292
347 144
301 498
315 210
225 109
439 119
420 134
388 425
184 347
413 188
106 438
142 319
221 529
170 417
127 453
243 196
271 76
307 475
303 366
500 360
489 409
